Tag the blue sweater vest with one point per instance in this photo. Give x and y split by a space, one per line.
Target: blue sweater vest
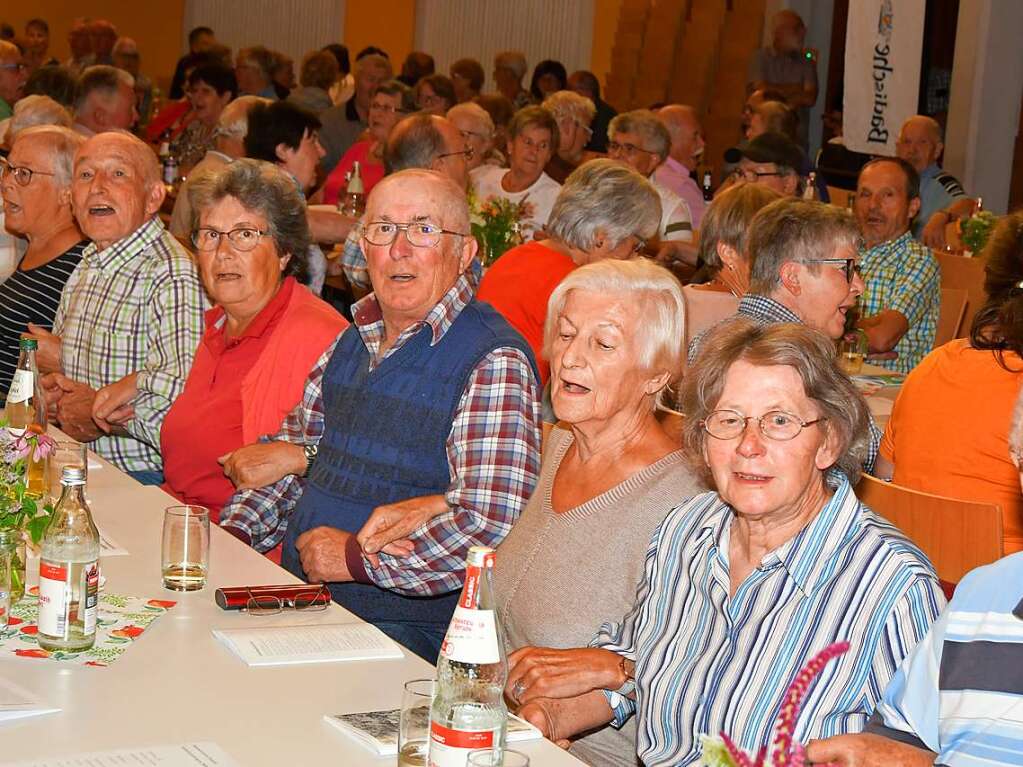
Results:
384 441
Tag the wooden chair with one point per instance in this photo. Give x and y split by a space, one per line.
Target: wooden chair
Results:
966 274
839 196
950 316
957 536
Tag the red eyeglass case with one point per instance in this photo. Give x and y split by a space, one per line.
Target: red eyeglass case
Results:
236 597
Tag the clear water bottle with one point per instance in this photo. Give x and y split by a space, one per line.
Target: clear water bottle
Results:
69 570
468 712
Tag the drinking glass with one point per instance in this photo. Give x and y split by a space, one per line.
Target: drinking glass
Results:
186 547
66 453
8 550
852 350
490 757
414 723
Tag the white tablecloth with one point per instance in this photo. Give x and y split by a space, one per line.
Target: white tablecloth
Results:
178 684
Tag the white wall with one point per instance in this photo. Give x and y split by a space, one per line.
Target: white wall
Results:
987 81
541 29
292 28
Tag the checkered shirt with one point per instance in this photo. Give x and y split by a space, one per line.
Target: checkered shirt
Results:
134 306
493 452
901 274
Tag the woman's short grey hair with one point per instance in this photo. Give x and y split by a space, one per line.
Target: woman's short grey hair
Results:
264 189
515 61
727 221
234 119
477 114
31 111
795 230
570 105
406 100
61 142
607 198
808 352
649 287
647 126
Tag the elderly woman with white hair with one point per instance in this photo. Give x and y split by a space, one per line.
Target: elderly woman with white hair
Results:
574 114
31 111
36 183
744 585
509 69
604 210
477 129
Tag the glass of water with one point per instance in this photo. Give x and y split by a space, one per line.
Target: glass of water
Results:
414 723
186 547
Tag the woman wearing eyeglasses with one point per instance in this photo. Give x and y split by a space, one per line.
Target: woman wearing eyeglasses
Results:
263 336
391 102
36 184
744 585
532 140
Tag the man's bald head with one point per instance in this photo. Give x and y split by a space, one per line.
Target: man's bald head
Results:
920 142
683 124
433 189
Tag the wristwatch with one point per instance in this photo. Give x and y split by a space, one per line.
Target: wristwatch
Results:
310 456
628 670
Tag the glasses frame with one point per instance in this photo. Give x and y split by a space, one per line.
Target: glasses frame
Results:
283 603
760 424
15 171
468 153
398 228
614 146
754 175
850 266
236 244
17 67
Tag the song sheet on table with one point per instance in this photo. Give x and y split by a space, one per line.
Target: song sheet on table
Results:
180 755
319 643
18 703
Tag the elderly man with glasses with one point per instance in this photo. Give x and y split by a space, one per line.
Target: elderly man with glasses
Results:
12 78
423 416
640 140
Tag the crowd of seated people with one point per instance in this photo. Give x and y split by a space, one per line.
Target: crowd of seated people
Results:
376 393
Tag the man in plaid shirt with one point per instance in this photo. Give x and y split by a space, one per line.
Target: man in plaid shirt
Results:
902 293
424 417
132 312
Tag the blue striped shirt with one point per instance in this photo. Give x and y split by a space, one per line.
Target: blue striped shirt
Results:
960 693
707 662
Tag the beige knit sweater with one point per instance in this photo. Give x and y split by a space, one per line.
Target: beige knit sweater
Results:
558 577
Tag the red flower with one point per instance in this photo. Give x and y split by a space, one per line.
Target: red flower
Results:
128 632
30 630
35 653
167 603
95 663
12 621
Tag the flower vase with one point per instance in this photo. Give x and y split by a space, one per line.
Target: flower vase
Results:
13 556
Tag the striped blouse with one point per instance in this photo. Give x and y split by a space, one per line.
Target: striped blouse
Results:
31 296
707 662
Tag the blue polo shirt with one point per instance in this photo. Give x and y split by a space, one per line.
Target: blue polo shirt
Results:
937 191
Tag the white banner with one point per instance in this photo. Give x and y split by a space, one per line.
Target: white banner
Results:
882 72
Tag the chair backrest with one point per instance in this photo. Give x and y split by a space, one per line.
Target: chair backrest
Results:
839 196
950 317
966 274
957 536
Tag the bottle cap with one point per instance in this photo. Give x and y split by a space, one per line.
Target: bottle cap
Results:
72 475
28 343
478 556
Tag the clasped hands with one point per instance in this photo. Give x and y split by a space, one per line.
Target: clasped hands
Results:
83 413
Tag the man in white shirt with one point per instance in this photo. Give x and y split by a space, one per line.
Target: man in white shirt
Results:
640 140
